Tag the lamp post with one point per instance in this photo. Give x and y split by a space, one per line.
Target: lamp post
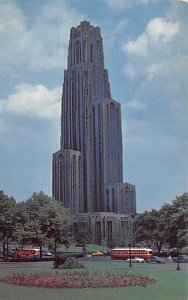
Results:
178 265
183 208
130 263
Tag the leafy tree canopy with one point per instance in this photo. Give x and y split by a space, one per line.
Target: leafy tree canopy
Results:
168 225
43 220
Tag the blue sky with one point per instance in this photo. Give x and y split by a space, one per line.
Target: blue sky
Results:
146 54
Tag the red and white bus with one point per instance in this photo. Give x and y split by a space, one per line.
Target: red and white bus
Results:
27 252
124 253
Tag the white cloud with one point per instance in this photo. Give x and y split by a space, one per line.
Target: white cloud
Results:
120 27
161 46
120 4
138 47
43 44
130 72
33 101
154 69
158 32
161 30
165 93
136 105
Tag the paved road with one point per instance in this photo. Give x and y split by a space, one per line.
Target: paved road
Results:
168 265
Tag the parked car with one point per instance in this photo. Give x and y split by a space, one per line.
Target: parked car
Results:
1 255
182 258
106 252
97 253
136 260
155 260
46 254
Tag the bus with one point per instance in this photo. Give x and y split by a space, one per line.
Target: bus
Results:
124 253
27 252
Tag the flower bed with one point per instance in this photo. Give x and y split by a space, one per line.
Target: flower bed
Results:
79 280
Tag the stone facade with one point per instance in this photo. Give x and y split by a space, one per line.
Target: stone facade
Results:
108 229
88 168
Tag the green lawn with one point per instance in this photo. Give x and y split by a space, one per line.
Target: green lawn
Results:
170 285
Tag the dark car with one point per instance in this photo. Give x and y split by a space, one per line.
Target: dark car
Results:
182 258
155 260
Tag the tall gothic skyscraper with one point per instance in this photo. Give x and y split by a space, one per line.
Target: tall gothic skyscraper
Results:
87 170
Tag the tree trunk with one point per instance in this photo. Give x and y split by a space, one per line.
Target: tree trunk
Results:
159 247
55 247
4 249
7 246
40 251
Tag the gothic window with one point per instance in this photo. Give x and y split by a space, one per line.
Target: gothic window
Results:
61 177
98 44
98 52
91 54
124 227
107 205
80 191
77 52
109 233
86 83
100 139
60 158
113 199
113 135
98 232
74 168
107 200
74 182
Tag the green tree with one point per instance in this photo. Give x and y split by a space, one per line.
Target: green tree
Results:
175 218
7 221
181 202
42 220
166 226
56 224
29 228
82 237
150 229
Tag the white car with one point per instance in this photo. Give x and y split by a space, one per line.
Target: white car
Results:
136 259
46 254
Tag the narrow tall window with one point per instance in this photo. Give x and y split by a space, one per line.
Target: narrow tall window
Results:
78 52
91 54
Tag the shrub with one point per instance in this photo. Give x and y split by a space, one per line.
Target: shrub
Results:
72 263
